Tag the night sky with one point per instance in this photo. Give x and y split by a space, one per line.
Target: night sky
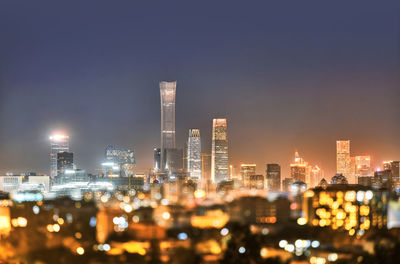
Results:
288 75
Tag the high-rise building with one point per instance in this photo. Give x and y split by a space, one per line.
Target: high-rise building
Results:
247 170
315 177
65 161
273 177
343 159
256 181
58 143
205 169
167 95
194 154
157 160
362 166
393 166
173 161
219 151
298 169
122 158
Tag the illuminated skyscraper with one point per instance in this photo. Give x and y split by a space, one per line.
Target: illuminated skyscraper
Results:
273 177
167 95
58 143
343 160
298 169
194 154
247 170
219 151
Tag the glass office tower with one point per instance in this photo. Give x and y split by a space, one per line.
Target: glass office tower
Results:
219 151
194 154
167 94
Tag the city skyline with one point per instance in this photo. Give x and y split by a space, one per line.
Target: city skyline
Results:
304 96
204 132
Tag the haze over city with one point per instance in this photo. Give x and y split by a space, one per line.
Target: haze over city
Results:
286 77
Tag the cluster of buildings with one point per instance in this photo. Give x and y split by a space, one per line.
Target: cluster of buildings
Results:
190 190
208 171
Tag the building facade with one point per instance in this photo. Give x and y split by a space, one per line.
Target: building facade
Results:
219 151
194 154
167 95
58 143
65 161
121 160
362 166
273 177
343 159
246 171
205 169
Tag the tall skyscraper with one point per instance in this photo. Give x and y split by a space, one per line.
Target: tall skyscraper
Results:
343 159
194 154
58 143
273 177
219 151
298 169
65 165
167 95
247 170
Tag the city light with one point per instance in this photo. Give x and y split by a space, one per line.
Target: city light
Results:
103 161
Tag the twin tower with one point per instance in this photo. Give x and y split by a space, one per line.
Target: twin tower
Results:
219 148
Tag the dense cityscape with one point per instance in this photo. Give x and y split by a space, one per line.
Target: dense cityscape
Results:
208 132
194 207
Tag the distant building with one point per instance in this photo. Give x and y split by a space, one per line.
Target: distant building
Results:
121 158
246 170
157 160
343 159
58 143
205 169
174 161
393 166
383 179
339 179
365 181
167 95
362 166
298 169
273 177
138 181
10 183
40 180
286 184
256 181
316 176
219 158
194 154
65 161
